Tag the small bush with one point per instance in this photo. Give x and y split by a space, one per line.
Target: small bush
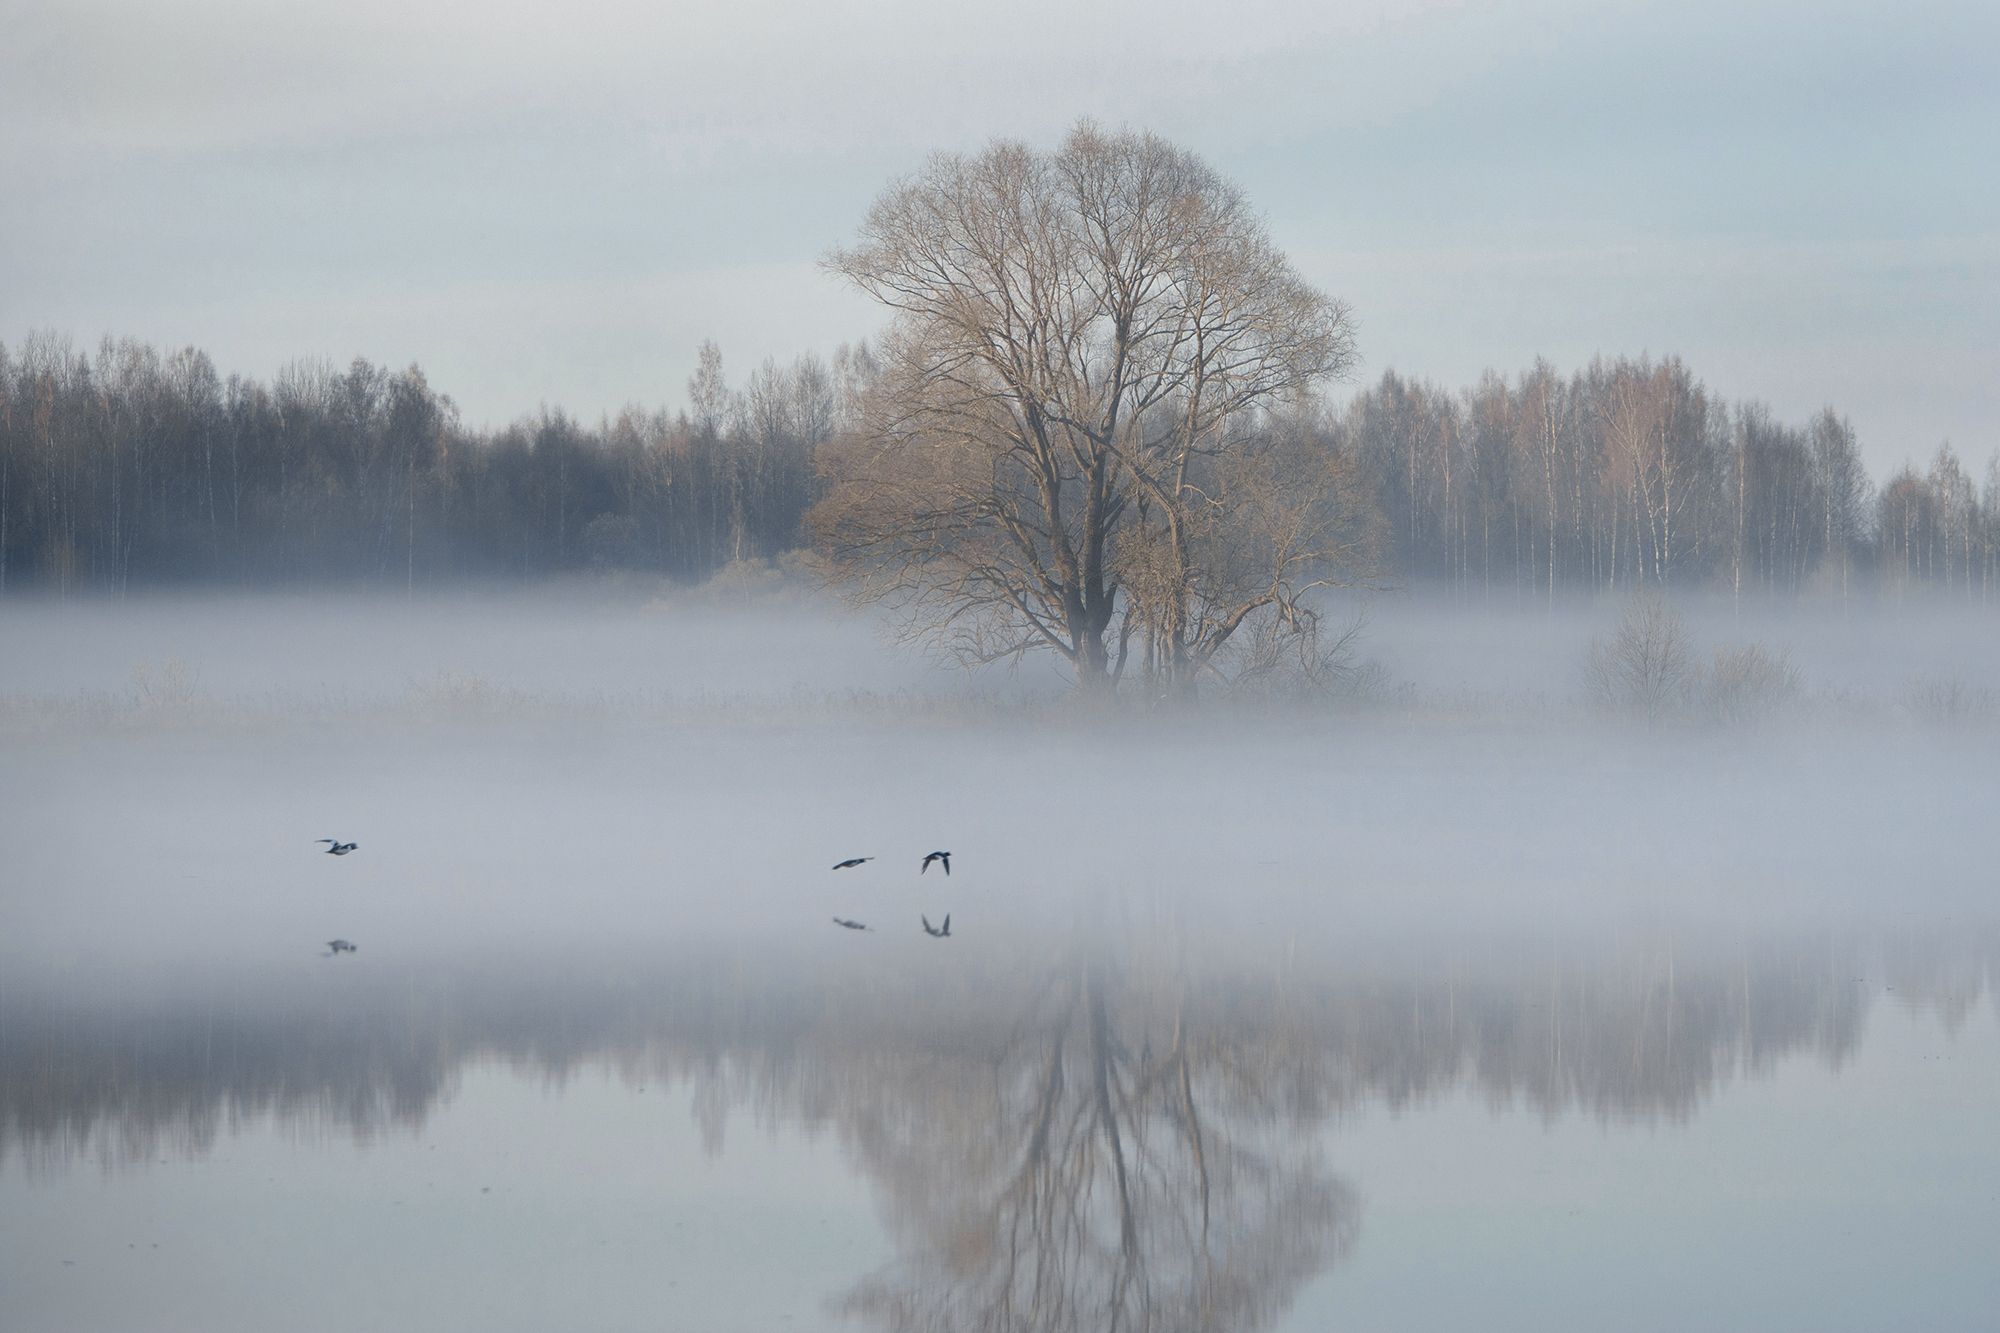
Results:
173 685
741 582
1647 667
1947 700
1748 684
463 695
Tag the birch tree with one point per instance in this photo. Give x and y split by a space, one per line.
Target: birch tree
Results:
1843 489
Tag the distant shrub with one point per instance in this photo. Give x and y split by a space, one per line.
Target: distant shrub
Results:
462 694
1647 667
1272 659
1748 684
754 580
173 685
1946 700
1372 685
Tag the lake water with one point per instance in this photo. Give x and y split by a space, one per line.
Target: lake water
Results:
1109 1130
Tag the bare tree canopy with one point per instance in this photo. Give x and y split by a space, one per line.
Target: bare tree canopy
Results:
1073 439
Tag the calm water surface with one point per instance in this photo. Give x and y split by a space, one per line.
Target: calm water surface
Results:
1116 1127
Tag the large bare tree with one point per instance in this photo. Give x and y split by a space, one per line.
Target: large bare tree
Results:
1081 340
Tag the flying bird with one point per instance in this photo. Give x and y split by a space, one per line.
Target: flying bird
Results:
337 847
936 932
937 856
335 948
851 862
851 925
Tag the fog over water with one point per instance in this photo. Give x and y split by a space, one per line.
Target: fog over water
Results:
773 639
1447 997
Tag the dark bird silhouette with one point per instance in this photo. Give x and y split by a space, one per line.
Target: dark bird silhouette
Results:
337 847
851 925
851 862
936 932
335 948
937 856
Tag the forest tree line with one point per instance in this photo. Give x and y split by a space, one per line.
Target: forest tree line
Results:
135 468
1631 474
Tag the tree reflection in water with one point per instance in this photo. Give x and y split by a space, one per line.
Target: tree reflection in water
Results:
1123 1139
1097 1172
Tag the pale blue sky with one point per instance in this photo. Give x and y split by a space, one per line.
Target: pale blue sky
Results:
556 203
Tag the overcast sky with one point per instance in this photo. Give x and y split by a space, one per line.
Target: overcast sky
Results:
555 203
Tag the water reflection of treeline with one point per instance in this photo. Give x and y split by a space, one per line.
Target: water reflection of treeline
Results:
1647 1030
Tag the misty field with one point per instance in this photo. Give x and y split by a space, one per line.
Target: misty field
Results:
1250 1008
